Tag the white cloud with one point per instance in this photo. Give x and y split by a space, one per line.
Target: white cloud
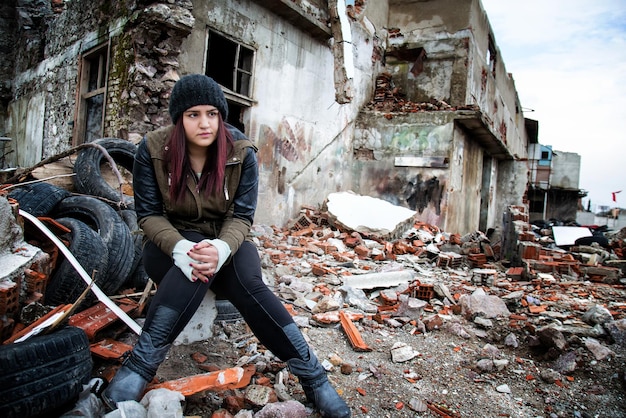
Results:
568 60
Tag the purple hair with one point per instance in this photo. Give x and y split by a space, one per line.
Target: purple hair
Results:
212 177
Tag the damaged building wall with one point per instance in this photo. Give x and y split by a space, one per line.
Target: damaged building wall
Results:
42 112
407 161
460 64
443 53
555 192
422 161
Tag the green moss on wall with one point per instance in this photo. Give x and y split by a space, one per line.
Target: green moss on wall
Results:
122 59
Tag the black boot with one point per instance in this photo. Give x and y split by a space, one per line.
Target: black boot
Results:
313 377
141 365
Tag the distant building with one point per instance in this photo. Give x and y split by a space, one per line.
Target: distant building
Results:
553 191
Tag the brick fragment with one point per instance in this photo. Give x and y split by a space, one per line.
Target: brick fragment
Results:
354 336
9 297
35 281
199 357
362 251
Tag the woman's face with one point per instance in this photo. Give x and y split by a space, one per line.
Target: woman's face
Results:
201 124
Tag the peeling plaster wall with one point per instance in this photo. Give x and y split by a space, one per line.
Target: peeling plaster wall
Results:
377 144
441 28
442 182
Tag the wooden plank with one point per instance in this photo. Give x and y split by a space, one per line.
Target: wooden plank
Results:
60 173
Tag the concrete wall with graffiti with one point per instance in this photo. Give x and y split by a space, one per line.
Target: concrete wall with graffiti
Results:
421 161
405 161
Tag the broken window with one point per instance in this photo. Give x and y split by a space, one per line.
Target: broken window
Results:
92 87
230 63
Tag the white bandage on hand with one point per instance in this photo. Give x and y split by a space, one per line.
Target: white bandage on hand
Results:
223 251
181 259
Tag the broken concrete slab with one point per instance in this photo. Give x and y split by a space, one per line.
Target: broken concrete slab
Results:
199 327
374 280
368 215
479 303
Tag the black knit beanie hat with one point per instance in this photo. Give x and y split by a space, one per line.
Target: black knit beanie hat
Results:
193 90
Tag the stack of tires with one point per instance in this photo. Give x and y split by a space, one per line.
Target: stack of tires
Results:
103 233
44 374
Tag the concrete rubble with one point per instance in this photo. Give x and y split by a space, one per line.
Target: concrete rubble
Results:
411 277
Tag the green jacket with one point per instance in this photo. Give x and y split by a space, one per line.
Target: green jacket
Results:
228 216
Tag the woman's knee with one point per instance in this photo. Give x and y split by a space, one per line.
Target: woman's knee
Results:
155 262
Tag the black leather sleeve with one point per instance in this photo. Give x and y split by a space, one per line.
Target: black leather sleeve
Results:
247 192
148 199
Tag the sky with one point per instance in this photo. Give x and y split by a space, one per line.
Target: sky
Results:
568 61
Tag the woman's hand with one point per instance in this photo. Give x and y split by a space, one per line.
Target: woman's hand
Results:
206 258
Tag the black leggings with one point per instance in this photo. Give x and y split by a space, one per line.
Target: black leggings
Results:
239 281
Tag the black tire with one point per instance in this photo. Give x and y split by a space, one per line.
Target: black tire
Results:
43 373
111 228
226 311
89 180
138 276
66 285
38 199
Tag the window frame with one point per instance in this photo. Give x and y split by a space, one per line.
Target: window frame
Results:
102 53
233 95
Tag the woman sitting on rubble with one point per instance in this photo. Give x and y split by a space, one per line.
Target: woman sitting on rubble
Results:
196 186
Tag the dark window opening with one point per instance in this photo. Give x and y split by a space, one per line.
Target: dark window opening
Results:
230 63
235 113
537 203
92 89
